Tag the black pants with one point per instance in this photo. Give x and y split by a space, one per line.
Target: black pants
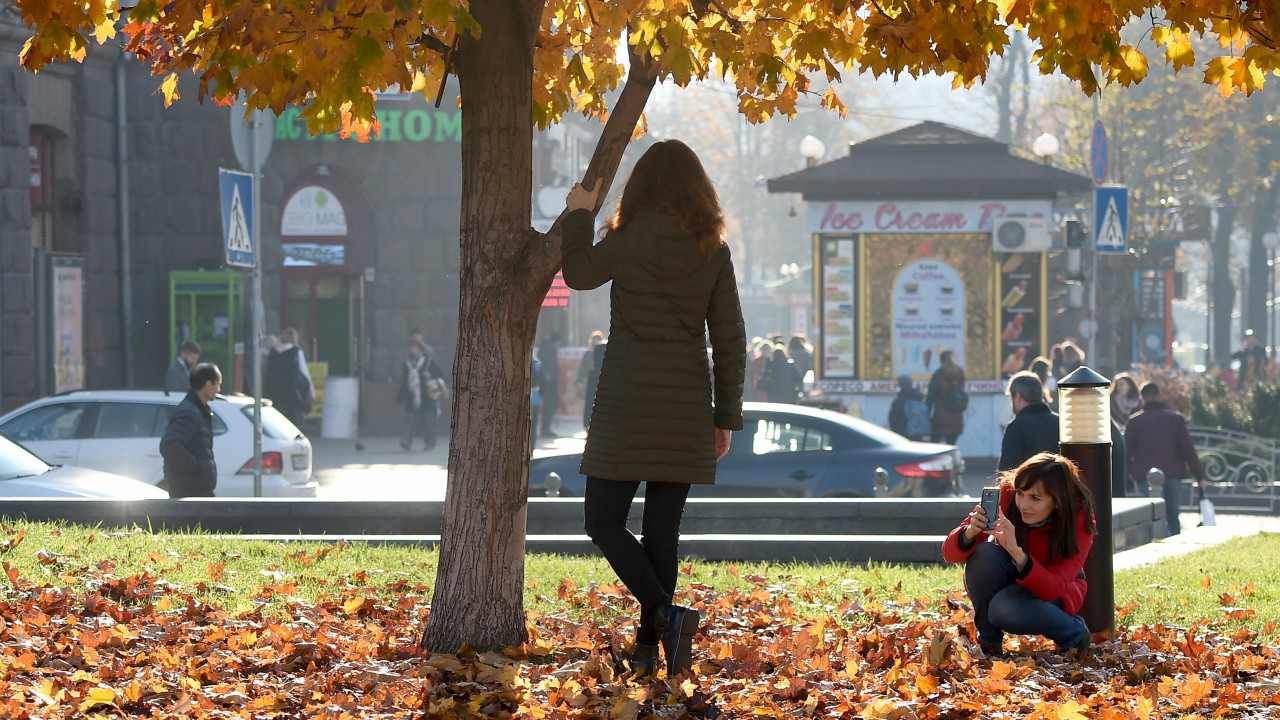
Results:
648 568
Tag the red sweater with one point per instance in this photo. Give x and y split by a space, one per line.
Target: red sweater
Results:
1048 581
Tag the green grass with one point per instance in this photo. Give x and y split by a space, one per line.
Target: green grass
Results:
233 574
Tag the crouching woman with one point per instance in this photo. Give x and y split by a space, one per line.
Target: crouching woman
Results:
1023 568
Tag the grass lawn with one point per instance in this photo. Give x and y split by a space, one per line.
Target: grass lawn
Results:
95 621
1237 575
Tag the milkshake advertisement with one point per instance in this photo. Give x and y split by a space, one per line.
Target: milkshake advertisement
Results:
928 317
1022 321
837 308
920 295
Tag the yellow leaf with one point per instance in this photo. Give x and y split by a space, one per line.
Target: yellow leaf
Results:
1071 710
105 31
98 696
170 89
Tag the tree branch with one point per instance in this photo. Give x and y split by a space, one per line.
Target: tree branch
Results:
613 142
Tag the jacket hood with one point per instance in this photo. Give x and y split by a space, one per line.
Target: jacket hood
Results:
660 246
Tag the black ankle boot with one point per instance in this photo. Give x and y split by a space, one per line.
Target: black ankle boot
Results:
676 625
644 661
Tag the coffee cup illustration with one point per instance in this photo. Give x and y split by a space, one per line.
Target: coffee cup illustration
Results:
947 309
911 308
948 289
911 287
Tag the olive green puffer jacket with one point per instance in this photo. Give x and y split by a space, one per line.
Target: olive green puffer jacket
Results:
658 403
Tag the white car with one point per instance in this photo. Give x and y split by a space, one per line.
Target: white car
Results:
23 475
119 431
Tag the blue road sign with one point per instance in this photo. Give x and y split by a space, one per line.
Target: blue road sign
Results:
236 189
1111 219
1099 154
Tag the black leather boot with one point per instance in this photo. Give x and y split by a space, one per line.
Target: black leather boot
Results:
644 661
676 625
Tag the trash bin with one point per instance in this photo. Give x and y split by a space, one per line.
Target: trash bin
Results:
338 417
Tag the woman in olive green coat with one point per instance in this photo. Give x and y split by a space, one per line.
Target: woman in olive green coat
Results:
662 415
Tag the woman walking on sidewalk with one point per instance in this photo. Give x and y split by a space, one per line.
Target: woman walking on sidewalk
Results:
661 415
1023 567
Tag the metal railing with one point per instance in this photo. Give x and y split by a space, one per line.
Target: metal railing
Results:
1240 467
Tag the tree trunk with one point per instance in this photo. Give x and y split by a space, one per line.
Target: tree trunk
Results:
1222 291
1264 221
507 268
479 591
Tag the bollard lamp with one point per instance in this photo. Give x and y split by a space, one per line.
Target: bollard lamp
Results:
553 484
1084 431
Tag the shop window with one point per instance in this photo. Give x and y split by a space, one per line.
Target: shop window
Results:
41 155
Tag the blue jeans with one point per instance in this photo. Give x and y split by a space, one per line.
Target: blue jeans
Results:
1172 505
1001 605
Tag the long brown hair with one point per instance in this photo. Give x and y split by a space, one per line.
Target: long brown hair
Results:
1061 479
669 179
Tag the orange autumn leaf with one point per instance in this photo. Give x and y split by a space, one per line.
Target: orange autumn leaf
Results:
1206 582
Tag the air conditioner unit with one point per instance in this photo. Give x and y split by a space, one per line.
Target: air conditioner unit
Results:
1020 234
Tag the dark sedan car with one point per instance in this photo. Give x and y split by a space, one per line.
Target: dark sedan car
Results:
794 451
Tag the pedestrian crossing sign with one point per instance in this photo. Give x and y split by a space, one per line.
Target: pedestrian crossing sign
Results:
236 189
1111 219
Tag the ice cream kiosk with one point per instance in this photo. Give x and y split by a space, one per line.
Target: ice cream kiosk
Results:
928 239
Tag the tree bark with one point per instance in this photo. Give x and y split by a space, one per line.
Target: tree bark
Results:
507 268
1222 290
1264 221
479 591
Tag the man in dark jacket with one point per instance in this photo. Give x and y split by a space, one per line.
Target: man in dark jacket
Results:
1157 437
187 444
178 376
1034 428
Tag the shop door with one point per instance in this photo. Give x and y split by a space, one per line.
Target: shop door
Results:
326 310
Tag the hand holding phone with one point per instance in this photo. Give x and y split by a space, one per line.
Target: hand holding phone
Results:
991 505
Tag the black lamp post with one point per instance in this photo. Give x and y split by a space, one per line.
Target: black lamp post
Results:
1085 434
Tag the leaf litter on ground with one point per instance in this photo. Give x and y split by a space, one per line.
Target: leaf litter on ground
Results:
81 640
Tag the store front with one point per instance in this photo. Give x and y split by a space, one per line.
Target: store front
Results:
912 258
325 239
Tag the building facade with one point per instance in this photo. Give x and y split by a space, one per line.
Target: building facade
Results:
104 193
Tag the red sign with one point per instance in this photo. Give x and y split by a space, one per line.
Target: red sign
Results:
558 295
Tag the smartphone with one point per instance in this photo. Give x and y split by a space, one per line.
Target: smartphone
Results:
991 504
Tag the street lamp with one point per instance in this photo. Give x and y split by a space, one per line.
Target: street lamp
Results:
1085 435
1271 241
1045 147
812 149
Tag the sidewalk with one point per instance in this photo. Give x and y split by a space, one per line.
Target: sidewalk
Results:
1194 538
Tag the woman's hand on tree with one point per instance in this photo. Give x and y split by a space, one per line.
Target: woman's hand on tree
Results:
581 198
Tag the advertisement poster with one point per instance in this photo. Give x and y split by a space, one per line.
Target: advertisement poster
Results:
1022 320
67 335
319 373
837 308
928 317
923 293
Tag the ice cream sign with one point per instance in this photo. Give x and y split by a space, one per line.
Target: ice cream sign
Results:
928 317
919 216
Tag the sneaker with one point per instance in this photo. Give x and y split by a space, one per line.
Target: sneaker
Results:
676 625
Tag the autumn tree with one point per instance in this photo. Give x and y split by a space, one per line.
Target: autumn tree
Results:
520 63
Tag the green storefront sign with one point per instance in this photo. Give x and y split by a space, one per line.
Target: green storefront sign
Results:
417 125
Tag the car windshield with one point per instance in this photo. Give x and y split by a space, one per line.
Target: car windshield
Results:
16 462
274 424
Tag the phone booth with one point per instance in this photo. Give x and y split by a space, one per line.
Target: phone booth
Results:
208 307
